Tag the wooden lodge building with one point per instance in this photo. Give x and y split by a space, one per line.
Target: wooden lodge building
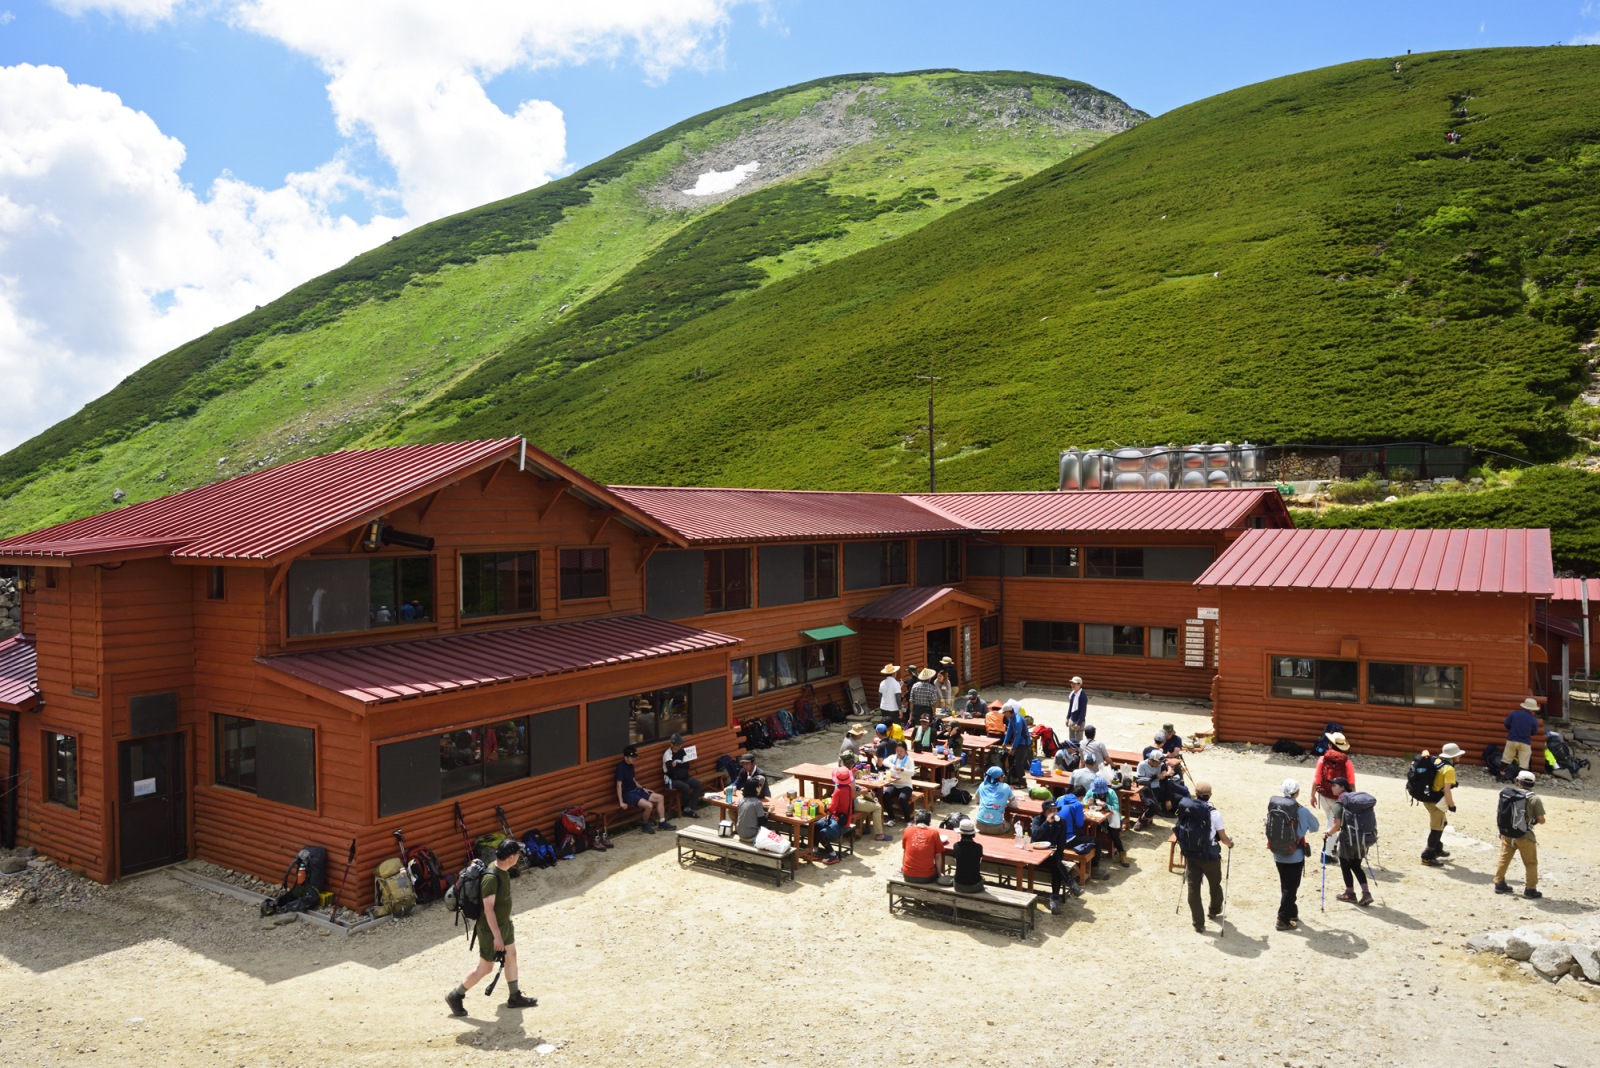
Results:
357 642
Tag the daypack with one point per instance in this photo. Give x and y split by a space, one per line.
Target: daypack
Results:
1420 776
728 767
428 878
1288 747
1565 760
537 848
1494 763
786 723
834 712
1194 830
1283 825
392 889
465 898
572 833
1322 744
957 796
1359 826
1041 793
755 735
1512 812
1046 737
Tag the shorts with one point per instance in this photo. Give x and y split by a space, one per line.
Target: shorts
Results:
630 798
486 938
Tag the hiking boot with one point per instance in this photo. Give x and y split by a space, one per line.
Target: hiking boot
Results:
1531 892
649 828
519 1000
1055 905
1428 861
457 1003
1075 890
1441 853
666 826
1366 897
1200 928
1215 914
1288 925
1502 888
692 814
1122 859
1348 895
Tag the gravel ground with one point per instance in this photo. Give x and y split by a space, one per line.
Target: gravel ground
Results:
636 961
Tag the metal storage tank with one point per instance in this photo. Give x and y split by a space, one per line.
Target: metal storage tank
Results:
1071 470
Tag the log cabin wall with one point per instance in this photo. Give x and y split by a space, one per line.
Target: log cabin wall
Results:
1485 633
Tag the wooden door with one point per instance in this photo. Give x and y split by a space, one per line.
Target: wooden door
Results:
152 813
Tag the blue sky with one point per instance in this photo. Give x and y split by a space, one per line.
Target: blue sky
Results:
172 163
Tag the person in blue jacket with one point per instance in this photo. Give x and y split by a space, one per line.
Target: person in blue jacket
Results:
1019 744
993 798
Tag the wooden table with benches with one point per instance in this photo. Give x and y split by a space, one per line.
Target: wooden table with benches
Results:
820 778
703 846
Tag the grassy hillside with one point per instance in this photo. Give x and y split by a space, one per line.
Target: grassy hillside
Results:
1302 260
574 270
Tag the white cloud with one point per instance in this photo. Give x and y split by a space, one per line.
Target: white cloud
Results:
1586 39
107 259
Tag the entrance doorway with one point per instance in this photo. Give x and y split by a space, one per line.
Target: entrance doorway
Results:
152 816
941 643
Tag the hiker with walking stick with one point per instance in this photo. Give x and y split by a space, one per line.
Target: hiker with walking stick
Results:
1288 824
1198 831
495 934
1353 829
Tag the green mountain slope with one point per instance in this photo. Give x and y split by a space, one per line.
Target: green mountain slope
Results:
578 269
1304 260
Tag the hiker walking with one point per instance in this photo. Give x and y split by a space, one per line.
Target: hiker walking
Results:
1521 725
1353 829
1432 789
494 933
1197 833
1288 824
1519 812
1334 763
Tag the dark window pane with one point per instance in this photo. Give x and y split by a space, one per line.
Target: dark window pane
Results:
505 751
493 584
1308 679
583 574
460 761
61 752
740 669
1049 636
1389 684
236 752
477 584
1337 680
988 632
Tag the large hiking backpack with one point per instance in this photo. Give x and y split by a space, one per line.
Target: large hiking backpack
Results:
1566 760
786 722
1420 776
1322 745
1194 830
573 834
1283 825
302 884
428 876
1289 747
465 898
1512 813
537 848
486 844
1046 737
755 734
1495 765
1358 828
775 728
392 889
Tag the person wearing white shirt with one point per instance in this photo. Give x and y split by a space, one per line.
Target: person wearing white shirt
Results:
900 770
889 692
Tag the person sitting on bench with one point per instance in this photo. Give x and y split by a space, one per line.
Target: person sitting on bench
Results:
969 860
751 815
1051 832
850 748
750 772
900 770
921 847
993 797
631 795
1155 792
841 810
675 774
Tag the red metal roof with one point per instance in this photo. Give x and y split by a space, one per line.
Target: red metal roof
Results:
904 603
1440 561
266 513
19 673
712 515
1569 589
1096 510
425 667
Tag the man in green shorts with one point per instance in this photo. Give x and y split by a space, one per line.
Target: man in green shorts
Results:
496 936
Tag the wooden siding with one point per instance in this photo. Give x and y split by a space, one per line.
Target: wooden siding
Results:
1485 633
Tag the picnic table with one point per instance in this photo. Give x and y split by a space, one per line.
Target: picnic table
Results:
1001 852
972 724
778 811
937 767
818 776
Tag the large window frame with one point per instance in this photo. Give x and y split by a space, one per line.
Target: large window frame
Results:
1051 636
393 583
1050 561
1309 678
1114 639
499 583
727 580
783 669
1416 685
61 768
820 571
484 755
1113 562
585 573
264 758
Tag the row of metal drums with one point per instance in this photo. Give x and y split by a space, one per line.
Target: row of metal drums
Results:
1161 467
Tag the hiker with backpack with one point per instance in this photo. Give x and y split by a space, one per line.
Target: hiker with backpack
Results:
1288 824
1353 829
1197 833
1518 813
1431 780
1334 763
492 928
1077 710
675 774
631 795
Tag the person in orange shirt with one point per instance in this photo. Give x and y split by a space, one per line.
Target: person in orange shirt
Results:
994 721
921 847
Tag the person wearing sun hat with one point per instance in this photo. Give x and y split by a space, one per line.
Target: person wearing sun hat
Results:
1333 764
1521 725
1444 784
850 747
924 695
889 692
969 860
841 810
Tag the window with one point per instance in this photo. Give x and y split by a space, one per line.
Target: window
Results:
1308 679
274 761
820 565
1113 639
1044 636
791 667
741 677
938 561
498 584
657 715
5 731
1052 561
869 564
421 771
1420 685
61 761
727 579
216 585
475 757
988 632
359 593
1164 643
51 578
1122 563
236 753
584 574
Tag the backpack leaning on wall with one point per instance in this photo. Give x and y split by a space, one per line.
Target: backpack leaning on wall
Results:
301 886
428 878
392 889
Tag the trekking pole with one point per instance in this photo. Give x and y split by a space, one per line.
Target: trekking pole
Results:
501 958
1324 880
1183 881
333 913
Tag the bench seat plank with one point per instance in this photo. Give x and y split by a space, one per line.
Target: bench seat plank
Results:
703 846
997 908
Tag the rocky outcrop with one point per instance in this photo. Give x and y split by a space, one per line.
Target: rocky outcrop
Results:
10 608
1548 950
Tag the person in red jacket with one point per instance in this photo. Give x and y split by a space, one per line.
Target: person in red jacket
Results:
842 809
1334 764
921 848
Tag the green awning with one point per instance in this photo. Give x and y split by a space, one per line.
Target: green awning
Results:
823 634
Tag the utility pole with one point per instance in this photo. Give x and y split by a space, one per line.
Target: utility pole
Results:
932 380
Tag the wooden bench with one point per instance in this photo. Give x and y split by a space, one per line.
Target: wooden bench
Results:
613 818
996 909
702 845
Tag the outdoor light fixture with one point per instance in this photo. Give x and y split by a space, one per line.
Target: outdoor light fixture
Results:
373 538
390 536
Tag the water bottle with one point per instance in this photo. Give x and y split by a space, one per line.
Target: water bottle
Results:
1018 827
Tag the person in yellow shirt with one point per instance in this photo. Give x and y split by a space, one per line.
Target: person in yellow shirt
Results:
1444 783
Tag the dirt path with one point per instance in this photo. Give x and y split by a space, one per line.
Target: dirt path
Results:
638 962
